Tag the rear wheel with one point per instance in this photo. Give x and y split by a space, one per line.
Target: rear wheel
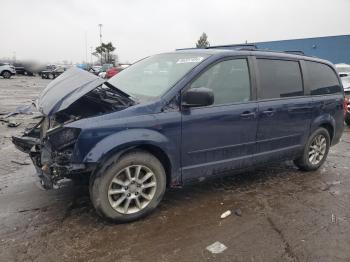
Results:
6 74
315 151
51 76
128 188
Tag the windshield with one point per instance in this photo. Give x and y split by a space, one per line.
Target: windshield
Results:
153 76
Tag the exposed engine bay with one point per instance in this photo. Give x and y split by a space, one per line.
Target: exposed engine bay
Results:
50 144
104 99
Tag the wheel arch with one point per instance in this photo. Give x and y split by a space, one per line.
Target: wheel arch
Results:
330 130
325 121
157 146
158 153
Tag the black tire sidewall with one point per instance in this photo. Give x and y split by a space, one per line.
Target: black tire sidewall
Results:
6 74
319 131
100 184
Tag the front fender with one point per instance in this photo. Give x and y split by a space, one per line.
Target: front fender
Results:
124 139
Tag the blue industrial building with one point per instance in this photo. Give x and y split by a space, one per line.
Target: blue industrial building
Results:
333 48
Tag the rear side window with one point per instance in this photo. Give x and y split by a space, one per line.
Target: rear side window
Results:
279 78
322 79
229 81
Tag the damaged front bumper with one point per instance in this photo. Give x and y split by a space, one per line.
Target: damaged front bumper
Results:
52 154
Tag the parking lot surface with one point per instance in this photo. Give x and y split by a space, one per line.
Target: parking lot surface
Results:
278 212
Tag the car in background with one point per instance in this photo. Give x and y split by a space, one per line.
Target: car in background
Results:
52 74
104 69
21 69
46 68
6 70
113 71
95 70
96 67
344 74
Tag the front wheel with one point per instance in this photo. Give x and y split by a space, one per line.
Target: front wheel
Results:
6 74
315 151
128 188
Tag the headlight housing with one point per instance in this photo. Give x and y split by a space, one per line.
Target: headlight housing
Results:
62 137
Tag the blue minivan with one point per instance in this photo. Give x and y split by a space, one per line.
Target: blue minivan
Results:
179 117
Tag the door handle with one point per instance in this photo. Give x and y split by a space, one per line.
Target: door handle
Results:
247 114
269 112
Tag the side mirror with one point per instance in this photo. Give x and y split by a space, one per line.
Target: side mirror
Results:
200 96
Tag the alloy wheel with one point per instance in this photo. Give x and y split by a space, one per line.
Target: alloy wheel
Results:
317 149
6 75
132 189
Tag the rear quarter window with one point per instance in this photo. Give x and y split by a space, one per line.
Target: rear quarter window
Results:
322 79
279 78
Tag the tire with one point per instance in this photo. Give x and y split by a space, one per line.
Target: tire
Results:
51 76
104 192
6 74
308 163
347 118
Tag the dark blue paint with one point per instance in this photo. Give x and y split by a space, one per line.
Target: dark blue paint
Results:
206 141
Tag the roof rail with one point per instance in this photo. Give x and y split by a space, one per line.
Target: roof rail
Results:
250 47
238 47
295 52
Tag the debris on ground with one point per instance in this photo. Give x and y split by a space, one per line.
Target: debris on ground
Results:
225 214
20 163
23 109
216 248
238 212
329 185
334 218
13 124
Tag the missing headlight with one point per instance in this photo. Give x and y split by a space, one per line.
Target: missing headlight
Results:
62 138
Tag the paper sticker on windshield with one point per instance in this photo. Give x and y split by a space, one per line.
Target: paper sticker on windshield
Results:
190 60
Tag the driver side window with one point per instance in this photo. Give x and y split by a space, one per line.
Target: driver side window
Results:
229 81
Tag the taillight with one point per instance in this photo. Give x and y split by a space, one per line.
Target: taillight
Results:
345 105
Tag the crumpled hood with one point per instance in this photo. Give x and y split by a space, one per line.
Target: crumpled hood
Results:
66 89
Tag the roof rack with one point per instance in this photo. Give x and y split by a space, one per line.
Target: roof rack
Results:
250 47
295 52
237 47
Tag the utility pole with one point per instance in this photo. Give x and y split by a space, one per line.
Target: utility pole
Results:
100 26
86 57
91 55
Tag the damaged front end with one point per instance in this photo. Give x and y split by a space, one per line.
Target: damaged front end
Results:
50 144
51 152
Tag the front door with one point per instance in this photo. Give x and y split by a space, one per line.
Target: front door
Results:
220 137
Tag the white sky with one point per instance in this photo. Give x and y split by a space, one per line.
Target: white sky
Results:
48 30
